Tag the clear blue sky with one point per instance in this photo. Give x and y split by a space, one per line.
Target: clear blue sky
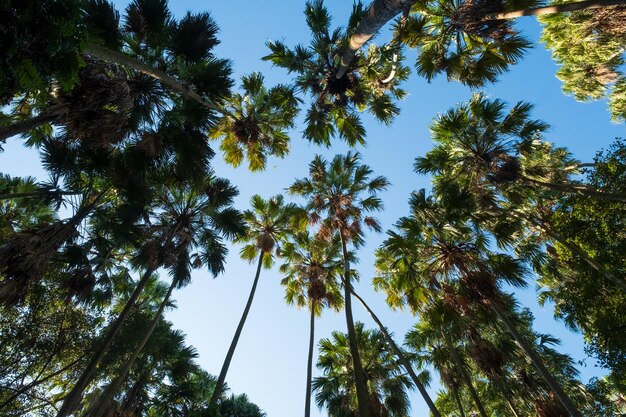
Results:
270 361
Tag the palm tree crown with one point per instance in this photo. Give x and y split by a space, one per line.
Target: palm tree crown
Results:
366 85
340 193
255 128
387 382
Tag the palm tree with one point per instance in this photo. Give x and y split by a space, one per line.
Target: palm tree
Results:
269 224
312 267
374 18
453 37
256 126
430 340
481 146
387 382
452 253
95 110
179 54
402 357
191 222
25 256
187 218
340 195
336 101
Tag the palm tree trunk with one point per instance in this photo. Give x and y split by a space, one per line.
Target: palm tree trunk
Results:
378 14
537 362
27 125
74 397
465 375
578 189
457 399
506 393
105 54
309 366
359 375
620 283
402 357
557 8
219 386
101 408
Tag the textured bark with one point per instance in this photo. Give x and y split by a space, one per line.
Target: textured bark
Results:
72 401
377 15
402 357
219 386
359 375
108 55
101 408
468 381
537 362
309 365
557 8
24 126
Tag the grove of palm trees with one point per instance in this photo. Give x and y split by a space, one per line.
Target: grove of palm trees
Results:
385 208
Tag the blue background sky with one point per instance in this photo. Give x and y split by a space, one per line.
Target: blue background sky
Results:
270 361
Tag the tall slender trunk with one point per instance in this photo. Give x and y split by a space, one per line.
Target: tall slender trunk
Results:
398 352
578 189
619 282
309 365
557 8
457 399
464 375
506 393
105 54
359 375
377 15
101 408
219 386
27 125
537 362
72 400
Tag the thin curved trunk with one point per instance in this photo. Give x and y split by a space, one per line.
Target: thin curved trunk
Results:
537 362
578 189
219 386
359 375
506 393
74 397
309 366
465 375
101 408
105 54
620 283
377 15
398 352
557 8
27 125
457 399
